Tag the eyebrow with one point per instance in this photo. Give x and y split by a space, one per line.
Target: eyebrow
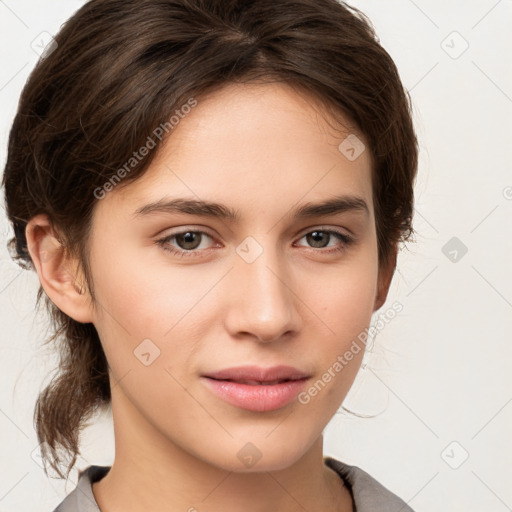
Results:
338 204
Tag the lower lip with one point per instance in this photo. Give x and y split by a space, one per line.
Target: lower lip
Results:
259 398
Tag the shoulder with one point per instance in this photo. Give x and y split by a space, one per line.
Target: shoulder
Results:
369 495
81 499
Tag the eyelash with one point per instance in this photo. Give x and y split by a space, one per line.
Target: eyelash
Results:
163 242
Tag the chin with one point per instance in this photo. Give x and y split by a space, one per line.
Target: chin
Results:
260 455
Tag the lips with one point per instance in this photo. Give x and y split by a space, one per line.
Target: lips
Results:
255 388
258 375
257 382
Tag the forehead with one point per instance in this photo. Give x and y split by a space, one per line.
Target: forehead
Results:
289 121
254 144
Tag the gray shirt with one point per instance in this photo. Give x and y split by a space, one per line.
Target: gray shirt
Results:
368 494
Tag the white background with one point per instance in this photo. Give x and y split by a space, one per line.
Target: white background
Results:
438 384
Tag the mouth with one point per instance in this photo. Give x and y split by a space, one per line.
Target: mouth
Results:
257 382
257 389
258 375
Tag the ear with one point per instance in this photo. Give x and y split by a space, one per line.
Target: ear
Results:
386 271
57 271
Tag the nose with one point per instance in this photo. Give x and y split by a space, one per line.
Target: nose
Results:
262 303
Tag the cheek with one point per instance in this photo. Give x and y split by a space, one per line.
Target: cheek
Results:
344 299
167 305
345 305
147 299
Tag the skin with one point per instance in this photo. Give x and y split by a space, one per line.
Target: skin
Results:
295 304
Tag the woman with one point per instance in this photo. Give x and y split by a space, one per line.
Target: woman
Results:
212 195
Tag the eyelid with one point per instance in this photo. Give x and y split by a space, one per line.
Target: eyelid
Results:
184 228
329 229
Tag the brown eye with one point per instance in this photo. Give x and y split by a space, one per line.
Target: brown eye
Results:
188 240
186 243
322 238
318 239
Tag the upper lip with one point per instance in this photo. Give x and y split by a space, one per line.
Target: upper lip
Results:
258 374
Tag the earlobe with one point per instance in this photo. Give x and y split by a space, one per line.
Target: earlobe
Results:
57 272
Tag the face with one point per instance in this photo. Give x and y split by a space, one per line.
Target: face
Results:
216 327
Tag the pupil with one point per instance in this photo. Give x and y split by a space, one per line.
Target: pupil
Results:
315 238
188 240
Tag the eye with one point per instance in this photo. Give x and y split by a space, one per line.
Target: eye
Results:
189 242
321 238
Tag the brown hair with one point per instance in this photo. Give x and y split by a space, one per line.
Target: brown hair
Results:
120 69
